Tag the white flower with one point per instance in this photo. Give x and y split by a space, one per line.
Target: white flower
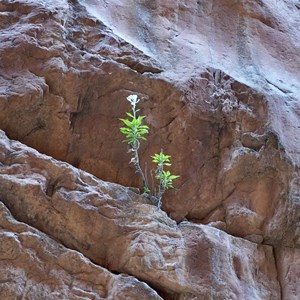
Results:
133 99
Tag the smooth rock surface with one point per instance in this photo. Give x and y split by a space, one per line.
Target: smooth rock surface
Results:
256 42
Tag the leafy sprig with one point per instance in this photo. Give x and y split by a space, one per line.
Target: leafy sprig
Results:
134 131
167 179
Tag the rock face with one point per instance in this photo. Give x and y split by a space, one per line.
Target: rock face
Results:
115 228
219 83
33 266
288 262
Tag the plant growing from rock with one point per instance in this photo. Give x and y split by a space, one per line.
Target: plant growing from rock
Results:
135 132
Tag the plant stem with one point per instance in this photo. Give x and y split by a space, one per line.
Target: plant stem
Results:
159 202
138 169
135 159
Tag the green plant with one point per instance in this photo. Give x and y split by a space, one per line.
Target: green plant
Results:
135 131
165 177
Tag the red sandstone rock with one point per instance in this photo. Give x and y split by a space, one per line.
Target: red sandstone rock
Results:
219 83
65 81
288 261
34 267
118 230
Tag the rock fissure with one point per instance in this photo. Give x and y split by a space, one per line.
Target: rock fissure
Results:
278 271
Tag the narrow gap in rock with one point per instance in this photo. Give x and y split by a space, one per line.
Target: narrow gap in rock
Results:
277 269
140 68
163 293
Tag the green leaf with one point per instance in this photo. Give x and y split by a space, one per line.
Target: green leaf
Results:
130 115
155 158
125 129
146 190
127 122
143 131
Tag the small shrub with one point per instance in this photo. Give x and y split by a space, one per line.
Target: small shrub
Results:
135 132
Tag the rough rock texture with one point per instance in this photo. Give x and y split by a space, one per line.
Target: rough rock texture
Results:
219 83
65 76
288 262
115 228
34 266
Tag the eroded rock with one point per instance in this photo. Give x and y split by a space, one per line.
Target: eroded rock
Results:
219 83
288 262
118 230
34 266
65 76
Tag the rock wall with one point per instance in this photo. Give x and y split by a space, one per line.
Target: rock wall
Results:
117 229
34 266
219 83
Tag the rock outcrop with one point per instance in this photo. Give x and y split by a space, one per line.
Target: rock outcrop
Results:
34 267
115 228
219 83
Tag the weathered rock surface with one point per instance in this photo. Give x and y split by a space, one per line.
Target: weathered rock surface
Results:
288 261
65 76
220 87
34 267
115 228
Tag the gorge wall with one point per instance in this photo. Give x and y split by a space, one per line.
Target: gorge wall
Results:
219 83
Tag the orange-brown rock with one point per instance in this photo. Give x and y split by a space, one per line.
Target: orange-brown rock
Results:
288 262
34 267
219 83
118 230
65 76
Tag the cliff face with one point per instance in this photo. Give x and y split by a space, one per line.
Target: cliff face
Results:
219 83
